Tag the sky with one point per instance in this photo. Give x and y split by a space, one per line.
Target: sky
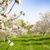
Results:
32 8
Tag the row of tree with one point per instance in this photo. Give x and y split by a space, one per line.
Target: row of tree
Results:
18 27
43 25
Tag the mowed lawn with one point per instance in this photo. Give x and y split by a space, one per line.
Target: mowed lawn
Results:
27 42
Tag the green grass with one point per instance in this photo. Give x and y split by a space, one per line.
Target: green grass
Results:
28 42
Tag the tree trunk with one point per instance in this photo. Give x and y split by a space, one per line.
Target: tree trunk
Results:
6 38
43 33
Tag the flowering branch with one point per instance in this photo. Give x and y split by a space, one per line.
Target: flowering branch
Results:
16 1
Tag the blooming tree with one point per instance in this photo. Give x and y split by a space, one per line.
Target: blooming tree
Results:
5 22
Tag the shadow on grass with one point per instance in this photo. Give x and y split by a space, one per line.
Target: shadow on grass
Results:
1 41
35 44
41 39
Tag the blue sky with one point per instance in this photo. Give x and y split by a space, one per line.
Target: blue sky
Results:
32 8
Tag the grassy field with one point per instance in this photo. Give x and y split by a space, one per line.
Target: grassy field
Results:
27 42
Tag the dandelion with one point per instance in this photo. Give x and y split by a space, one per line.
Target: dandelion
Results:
11 44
